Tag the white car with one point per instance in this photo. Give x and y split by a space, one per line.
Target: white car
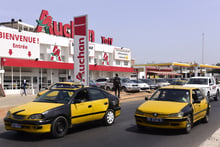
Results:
142 86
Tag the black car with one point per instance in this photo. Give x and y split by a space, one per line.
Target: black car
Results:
61 108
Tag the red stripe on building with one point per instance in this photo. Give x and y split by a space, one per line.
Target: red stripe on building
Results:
58 65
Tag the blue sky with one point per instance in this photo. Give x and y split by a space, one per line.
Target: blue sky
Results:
155 30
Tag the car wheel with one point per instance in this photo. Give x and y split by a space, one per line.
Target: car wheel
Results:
109 118
124 89
217 96
208 96
59 127
108 88
206 118
188 124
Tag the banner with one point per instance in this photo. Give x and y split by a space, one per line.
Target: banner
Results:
16 44
81 53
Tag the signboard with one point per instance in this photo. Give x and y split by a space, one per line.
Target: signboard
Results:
81 53
122 54
16 44
91 49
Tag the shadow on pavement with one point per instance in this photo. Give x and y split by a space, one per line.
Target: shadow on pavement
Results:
154 131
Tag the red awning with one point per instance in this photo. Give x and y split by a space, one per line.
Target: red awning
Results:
165 73
58 65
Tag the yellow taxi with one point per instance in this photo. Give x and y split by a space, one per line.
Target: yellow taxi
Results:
61 108
61 85
173 107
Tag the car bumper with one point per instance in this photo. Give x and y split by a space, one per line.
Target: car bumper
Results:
165 123
132 89
27 126
144 88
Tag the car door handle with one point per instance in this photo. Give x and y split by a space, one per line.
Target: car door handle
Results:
106 103
90 106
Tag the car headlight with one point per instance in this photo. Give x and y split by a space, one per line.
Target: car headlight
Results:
139 112
8 114
180 114
36 116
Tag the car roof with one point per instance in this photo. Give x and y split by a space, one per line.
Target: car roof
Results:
178 87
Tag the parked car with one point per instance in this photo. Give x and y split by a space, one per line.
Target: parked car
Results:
173 107
62 108
92 83
109 84
128 85
142 86
151 83
162 82
102 82
178 82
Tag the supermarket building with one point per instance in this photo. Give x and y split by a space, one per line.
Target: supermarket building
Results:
45 56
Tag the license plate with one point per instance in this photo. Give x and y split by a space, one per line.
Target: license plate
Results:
15 125
154 119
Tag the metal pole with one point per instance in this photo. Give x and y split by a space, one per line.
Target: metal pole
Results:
203 36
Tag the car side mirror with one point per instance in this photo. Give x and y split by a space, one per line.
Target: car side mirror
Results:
146 98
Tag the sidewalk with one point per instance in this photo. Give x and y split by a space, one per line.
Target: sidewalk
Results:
11 101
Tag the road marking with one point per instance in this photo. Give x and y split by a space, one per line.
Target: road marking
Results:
213 141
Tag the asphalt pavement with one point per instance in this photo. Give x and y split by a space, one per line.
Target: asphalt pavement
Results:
11 101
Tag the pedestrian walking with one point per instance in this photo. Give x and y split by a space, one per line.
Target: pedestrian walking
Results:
117 85
69 79
24 88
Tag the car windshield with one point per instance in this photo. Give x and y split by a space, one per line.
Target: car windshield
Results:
198 81
161 80
56 96
177 83
126 81
174 95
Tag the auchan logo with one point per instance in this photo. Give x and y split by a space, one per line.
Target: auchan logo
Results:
58 28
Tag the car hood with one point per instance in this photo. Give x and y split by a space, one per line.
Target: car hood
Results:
42 92
163 107
34 108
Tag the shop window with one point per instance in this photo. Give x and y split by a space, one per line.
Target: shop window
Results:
42 56
118 62
63 58
125 63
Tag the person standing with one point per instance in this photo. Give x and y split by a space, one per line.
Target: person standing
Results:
69 79
24 88
117 85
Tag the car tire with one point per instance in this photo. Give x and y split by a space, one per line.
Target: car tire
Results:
206 118
124 89
59 127
109 118
208 96
108 88
188 124
217 96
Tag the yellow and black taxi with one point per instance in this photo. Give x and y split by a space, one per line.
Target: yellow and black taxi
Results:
173 107
61 108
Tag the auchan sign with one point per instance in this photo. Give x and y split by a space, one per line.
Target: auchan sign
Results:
58 28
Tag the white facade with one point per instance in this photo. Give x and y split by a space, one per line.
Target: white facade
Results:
43 59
